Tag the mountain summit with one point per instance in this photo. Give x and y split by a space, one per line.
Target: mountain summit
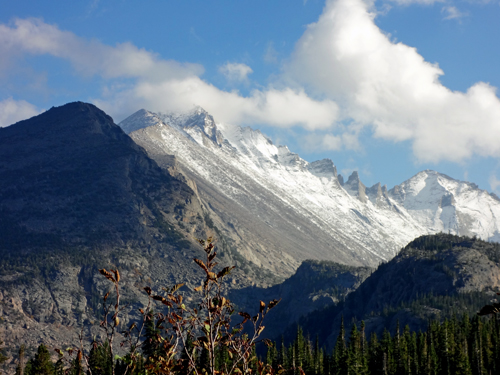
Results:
304 210
71 170
443 204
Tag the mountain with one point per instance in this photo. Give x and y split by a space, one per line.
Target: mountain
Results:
434 276
77 194
314 286
71 170
278 209
442 204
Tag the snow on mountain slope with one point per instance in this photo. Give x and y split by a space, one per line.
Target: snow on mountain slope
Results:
278 209
443 204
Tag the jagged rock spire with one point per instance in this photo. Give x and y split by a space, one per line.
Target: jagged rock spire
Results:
355 187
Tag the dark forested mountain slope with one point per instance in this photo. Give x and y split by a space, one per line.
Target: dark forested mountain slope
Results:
432 277
314 286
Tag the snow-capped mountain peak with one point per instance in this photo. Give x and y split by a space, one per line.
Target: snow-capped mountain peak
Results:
355 187
279 209
443 204
139 120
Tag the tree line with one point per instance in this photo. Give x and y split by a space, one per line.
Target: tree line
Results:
465 346
456 346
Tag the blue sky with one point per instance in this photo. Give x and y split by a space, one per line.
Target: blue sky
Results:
387 88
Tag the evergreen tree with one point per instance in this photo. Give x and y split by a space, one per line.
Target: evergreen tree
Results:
340 353
460 363
445 351
477 360
272 356
59 367
151 346
496 346
125 366
386 353
307 355
222 360
432 357
364 348
28 367
298 351
41 364
487 344
100 360
76 367
317 359
282 355
327 364
204 360
423 350
355 360
466 326
402 359
405 359
375 356
253 361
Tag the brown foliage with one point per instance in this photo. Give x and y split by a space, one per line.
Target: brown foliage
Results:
184 331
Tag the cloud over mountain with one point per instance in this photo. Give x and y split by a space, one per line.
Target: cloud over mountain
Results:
138 78
345 77
235 72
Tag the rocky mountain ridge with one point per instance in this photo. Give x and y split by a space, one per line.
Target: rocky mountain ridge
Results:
71 170
305 210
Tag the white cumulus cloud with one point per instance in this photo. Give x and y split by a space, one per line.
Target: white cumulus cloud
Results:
345 77
33 36
390 88
12 111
